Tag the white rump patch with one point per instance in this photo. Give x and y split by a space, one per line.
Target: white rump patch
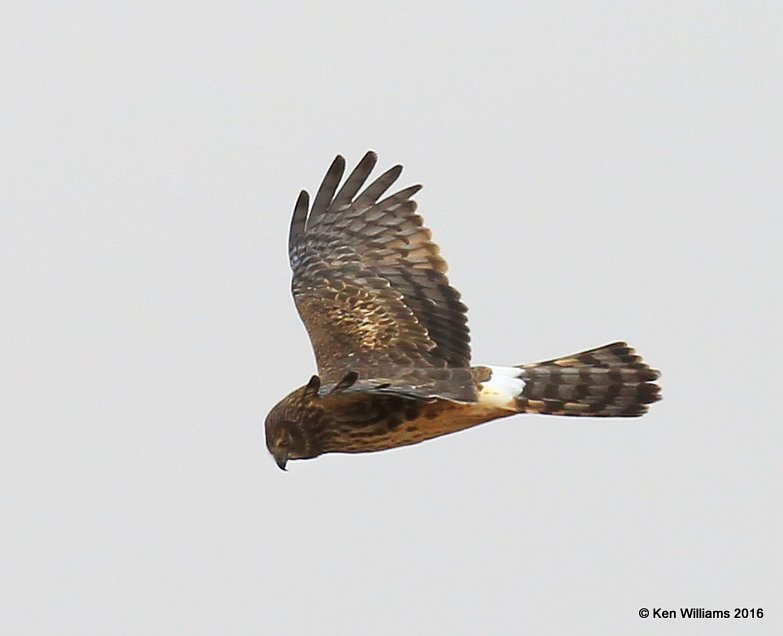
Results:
503 386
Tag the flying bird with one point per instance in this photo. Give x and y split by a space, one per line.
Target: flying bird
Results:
391 340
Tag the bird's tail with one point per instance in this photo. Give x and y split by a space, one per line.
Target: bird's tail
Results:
610 381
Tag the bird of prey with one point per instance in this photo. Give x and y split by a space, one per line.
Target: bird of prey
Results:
391 340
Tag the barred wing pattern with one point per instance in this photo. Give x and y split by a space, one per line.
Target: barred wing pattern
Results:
371 288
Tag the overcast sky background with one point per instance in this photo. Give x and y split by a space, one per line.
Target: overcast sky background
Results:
593 171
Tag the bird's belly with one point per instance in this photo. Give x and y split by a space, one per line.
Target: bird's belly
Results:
430 420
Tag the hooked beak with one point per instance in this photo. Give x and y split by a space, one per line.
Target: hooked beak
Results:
281 461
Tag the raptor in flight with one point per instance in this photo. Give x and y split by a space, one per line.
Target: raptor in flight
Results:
391 337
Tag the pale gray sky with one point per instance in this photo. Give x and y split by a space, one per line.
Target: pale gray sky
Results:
593 171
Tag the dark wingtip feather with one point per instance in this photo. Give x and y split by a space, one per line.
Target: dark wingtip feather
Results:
356 179
373 191
400 196
327 188
298 220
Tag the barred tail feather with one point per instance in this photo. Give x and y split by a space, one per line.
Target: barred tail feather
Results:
609 381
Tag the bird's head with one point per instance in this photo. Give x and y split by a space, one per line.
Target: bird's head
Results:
288 434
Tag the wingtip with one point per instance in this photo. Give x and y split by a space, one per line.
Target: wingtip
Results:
298 221
336 169
367 163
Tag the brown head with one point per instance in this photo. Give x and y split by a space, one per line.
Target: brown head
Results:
293 425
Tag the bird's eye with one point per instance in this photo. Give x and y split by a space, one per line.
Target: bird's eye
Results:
284 442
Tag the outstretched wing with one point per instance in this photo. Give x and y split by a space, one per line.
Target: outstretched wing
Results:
371 288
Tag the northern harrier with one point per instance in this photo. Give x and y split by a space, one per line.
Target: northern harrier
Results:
391 337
